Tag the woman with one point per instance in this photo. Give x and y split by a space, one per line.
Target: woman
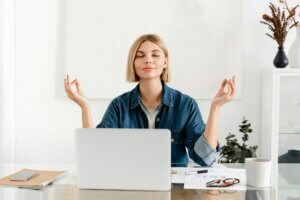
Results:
152 104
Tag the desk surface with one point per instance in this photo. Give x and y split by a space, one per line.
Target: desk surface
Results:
66 188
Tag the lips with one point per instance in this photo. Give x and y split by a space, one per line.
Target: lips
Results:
148 68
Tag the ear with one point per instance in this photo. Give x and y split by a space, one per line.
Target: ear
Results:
166 63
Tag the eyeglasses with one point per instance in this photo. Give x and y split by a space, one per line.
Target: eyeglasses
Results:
223 182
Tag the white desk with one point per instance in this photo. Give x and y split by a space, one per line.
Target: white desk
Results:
66 188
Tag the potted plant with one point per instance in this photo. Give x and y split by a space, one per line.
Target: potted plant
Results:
233 151
280 23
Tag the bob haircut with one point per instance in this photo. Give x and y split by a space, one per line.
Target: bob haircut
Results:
131 75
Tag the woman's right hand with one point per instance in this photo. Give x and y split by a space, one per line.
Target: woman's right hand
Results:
77 96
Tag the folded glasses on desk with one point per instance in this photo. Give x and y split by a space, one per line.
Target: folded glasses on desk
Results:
223 182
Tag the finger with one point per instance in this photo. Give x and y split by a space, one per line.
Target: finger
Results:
68 88
232 83
223 83
77 85
233 78
233 91
232 86
66 83
73 82
229 88
71 87
67 77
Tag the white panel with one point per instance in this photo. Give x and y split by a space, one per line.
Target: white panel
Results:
204 39
289 105
7 88
1 95
8 81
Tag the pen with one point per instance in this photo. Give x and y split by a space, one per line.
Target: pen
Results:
197 172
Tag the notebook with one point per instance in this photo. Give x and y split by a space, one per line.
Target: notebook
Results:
43 178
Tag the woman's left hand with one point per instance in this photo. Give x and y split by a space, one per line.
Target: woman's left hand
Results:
223 97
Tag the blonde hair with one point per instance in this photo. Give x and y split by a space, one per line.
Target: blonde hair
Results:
131 75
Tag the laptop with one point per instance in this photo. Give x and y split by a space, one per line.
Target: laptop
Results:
123 159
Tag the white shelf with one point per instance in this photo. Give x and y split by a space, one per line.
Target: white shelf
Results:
286 70
271 132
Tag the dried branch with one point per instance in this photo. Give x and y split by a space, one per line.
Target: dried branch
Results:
292 12
279 23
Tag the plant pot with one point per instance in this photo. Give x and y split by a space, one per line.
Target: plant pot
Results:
280 60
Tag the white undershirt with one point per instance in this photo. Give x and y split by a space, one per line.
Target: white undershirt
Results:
151 115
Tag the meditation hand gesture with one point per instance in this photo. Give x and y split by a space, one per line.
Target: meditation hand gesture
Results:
223 97
76 95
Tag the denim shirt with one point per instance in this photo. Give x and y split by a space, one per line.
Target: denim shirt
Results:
178 112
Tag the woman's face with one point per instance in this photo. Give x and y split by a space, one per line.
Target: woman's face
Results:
149 61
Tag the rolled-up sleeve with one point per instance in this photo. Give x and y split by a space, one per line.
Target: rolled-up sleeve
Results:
198 148
205 151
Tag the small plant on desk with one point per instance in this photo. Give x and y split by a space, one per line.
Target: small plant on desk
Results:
233 152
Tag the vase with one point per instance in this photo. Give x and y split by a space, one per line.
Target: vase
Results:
294 51
291 176
292 156
280 60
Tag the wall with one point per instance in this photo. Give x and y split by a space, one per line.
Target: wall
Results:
46 119
8 81
100 47
1 93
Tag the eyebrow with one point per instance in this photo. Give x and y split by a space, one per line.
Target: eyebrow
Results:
155 50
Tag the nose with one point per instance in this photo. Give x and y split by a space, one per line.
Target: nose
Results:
148 60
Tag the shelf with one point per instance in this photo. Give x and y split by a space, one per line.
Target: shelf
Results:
278 136
287 70
283 72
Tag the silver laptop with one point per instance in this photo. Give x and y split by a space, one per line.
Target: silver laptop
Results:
123 159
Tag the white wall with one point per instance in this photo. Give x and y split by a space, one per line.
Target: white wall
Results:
100 47
8 81
1 94
45 118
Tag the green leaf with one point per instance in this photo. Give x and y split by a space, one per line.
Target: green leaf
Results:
232 151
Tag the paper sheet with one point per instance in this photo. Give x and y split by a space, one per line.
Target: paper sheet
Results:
179 177
198 181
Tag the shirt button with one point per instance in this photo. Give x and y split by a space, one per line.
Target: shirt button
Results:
157 119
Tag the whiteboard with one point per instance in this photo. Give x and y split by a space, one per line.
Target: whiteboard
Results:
204 40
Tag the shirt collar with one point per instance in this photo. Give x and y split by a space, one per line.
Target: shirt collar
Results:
167 98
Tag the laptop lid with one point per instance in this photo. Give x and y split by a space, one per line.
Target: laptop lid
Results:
123 159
